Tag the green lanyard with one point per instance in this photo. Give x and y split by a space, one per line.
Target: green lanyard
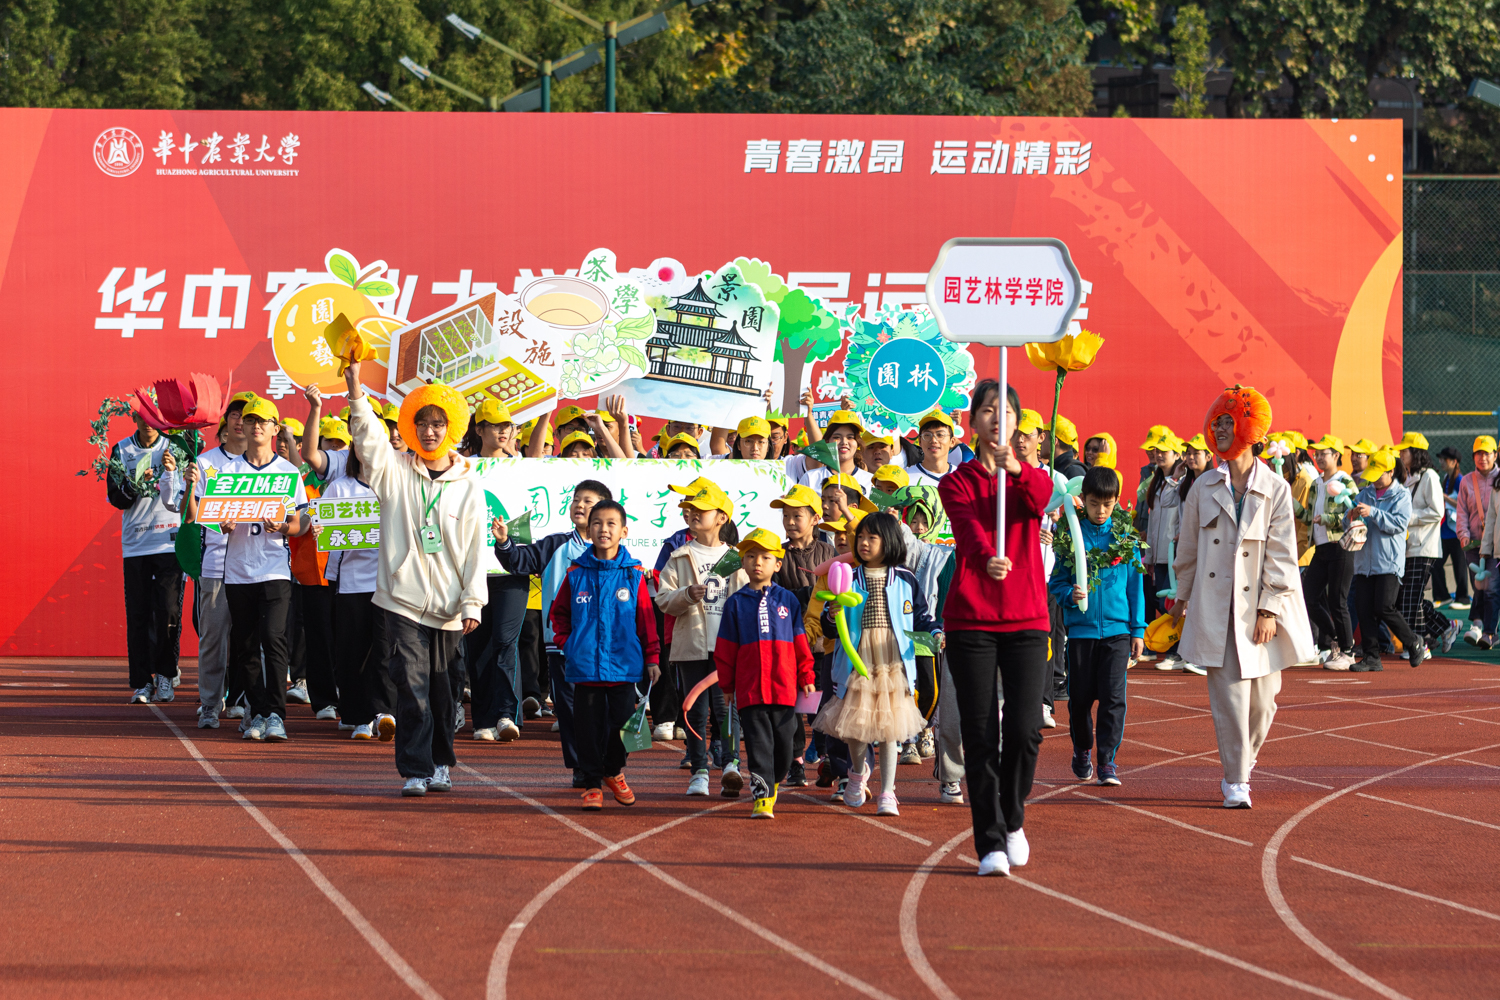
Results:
429 504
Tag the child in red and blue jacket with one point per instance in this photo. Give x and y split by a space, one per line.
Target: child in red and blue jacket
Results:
763 660
603 621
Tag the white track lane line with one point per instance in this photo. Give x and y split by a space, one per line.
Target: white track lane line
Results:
1434 812
1300 781
1165 819
1169 936
1272 884
911 942
1396 888
382 947
790 947
499 972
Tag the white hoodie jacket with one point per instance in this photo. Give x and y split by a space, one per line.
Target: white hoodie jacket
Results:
437 590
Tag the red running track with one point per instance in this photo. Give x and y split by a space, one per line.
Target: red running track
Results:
146 858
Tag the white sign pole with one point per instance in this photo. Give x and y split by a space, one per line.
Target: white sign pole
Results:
1003 292
1000 472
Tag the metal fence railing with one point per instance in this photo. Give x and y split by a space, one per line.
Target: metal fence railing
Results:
1451 308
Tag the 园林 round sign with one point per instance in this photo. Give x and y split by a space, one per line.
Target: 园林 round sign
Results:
907 376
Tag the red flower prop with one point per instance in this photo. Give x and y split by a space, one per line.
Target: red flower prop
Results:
171 405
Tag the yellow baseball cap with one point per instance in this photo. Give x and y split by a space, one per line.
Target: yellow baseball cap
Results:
847 417
573 438
526 434
243 397
605 416
845 524
1162 634
391 413
760 538
1412 440
1484 443
1030 422
683 438
568 414
1381 462
779 420
799 496
1296 440
1154 436
936 416
1327 443
892 474
866 439
709 497
1197 442
344 414
693 487
1171 443
839 479
263 408
751 426
294 425
492 411
1364 446
1067 431
333 428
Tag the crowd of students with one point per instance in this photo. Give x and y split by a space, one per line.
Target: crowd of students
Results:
766 675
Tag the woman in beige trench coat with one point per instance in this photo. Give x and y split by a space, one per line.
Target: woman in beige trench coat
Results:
1239 586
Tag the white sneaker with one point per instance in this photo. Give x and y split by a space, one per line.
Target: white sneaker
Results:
346 727
1343 661
385 727
507 731
556 727
953 793
176 680
1473 634
440 780
1170 662
142 695
164 690
1237 795
485 735
678 733
994 863
364 732
1193 668
854 792
414 786
255 729
1048 720
886 804
1450 635
298 693
234 712
1017 850
731 780
328 713
662 733
699 783
275 729
208 719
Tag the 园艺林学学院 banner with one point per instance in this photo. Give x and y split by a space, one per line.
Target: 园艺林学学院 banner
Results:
143 244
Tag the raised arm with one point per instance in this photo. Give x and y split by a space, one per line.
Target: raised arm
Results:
311 453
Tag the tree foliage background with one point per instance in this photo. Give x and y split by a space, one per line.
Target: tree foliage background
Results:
814 56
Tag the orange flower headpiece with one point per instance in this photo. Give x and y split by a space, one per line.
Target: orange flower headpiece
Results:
452 403
1252 418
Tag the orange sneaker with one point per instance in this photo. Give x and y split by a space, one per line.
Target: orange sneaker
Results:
623 794
593 800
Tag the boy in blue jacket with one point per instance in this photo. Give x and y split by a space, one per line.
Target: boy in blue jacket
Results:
603 621
1103 639
550 558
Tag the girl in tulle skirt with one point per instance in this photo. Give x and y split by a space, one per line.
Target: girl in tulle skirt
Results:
878 709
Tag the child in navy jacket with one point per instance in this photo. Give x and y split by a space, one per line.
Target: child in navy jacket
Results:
763 660
1103 639
603 621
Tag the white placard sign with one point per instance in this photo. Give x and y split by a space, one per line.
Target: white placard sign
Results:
544 487
1003 291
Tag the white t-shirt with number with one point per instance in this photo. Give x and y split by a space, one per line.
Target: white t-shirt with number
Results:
251 554
705 558
354 570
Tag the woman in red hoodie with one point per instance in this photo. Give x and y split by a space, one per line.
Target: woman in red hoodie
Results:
998 627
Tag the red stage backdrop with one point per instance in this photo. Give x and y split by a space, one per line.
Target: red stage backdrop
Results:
1262 252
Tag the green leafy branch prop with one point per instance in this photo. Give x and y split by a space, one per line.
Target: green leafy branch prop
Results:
143 479
1125 547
